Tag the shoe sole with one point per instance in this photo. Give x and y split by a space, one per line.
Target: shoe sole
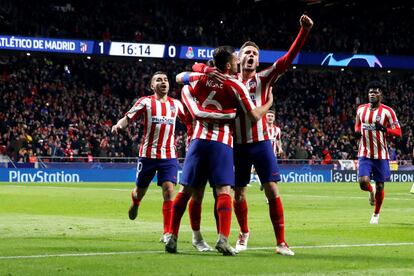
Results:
204 249
225 252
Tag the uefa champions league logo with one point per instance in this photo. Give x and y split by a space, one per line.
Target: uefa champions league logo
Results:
337 177
371 60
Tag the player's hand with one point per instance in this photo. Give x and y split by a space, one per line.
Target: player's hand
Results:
380 127
115 129
216 75
306 22
358 135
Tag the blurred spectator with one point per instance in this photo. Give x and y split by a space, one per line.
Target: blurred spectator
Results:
69 118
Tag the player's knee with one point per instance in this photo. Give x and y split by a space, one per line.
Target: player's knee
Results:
363 183
168 190
239 194
197 196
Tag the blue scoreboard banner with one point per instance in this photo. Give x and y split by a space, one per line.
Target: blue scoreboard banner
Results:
21 43
193 52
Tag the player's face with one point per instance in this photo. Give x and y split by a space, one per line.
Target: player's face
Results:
374 95
270 118
160 84
249 58
233 65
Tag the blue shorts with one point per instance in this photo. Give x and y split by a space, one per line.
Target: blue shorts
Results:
208 160
166 170
259 154
379 169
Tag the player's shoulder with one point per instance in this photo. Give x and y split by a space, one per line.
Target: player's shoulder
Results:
174 101
143 100
361 106
386 107
233 82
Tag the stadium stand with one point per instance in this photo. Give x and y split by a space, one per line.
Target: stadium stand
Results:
65 107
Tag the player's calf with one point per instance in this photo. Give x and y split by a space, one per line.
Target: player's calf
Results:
133 209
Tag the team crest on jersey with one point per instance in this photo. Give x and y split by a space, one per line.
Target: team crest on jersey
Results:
378 118
173 109
251 84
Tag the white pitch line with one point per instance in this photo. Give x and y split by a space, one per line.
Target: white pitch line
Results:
128 189
186 251
345 197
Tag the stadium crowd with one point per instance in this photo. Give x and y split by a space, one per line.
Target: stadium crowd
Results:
343 26
65 107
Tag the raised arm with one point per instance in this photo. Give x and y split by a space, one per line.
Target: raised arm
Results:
282 63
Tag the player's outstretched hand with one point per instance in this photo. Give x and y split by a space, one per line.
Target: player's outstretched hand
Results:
306 22
115 129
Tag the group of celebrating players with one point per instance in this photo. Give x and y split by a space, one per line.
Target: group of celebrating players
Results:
227 115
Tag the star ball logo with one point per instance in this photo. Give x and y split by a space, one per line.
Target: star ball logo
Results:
337 177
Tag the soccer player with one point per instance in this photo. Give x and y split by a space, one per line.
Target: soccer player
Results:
210 154
157 152
275 133
374 121
252 141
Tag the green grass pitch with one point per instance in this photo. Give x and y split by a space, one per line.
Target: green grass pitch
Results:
83 229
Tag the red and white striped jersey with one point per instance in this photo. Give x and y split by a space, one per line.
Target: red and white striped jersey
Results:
275 135
220 99
258 86
248 131
373 143
158 141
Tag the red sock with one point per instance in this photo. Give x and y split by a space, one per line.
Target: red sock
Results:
240 209
194 210
178 209
224 213
379 198
278 221
166 213
216 216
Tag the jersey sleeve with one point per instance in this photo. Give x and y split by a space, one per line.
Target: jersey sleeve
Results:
242 95
181 111
197 111
137 109
394 128
271 73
